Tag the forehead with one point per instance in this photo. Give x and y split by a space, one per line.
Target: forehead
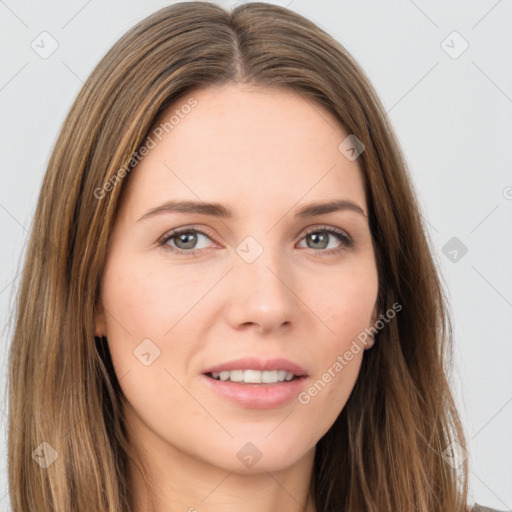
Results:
259 146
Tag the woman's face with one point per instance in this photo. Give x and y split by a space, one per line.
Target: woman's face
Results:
266 283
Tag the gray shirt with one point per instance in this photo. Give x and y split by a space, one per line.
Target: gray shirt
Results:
480 508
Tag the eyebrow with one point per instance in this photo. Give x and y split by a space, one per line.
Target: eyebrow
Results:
219 210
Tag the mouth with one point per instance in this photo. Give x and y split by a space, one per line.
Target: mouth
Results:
255 389
256 383
269 377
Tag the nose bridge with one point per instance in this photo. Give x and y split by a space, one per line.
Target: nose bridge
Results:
261 289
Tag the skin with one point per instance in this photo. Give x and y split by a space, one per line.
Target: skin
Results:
264 154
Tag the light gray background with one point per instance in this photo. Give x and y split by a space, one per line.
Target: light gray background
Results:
452 117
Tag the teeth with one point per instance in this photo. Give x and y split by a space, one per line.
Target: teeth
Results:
254 376
268 377
236 375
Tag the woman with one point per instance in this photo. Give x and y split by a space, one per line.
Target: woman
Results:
229 301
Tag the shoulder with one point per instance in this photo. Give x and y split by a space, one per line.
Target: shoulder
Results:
480 508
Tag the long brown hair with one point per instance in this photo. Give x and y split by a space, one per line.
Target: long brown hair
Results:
386 450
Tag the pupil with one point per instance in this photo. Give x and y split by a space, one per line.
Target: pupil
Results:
316 236
183 238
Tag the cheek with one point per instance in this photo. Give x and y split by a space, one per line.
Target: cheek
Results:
148 308
148 300
329 390
345 302
143 305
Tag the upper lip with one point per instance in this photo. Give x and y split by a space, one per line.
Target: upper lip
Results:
252 363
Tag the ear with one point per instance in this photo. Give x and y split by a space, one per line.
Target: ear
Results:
100 328
373 320
375 315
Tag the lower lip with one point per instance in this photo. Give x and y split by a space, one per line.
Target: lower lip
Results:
258 396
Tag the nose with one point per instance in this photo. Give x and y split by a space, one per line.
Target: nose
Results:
262 294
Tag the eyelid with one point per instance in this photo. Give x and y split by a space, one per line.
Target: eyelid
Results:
325 227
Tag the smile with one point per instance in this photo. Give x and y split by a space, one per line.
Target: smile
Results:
253 376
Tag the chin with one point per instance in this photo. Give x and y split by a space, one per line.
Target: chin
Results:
259 455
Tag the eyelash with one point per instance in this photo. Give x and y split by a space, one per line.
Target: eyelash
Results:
342 237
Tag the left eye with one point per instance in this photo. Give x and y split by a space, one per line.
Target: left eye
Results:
321 237
185 240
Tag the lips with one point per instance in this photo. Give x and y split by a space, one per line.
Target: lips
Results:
264 395
253 363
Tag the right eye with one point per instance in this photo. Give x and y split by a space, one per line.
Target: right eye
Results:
184 241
